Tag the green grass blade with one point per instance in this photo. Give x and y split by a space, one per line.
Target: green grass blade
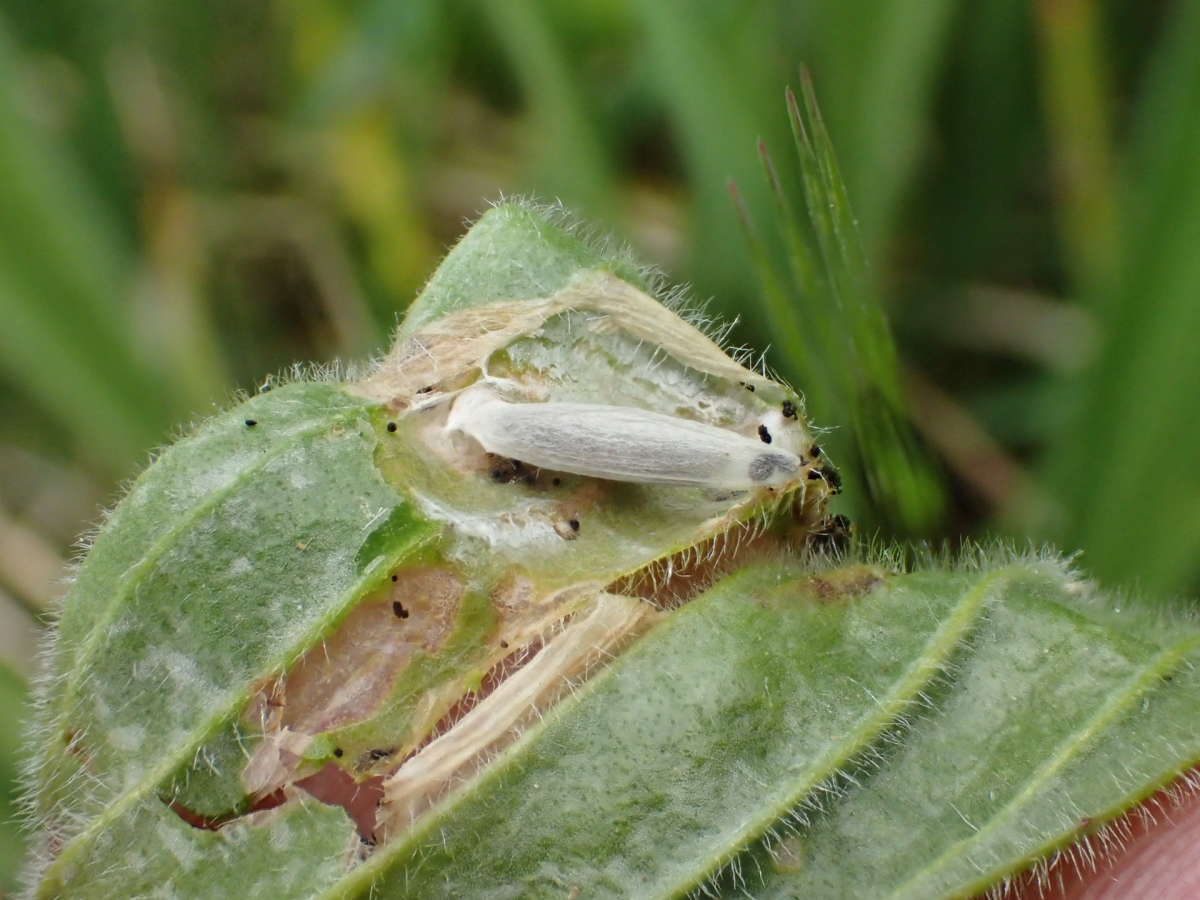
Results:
1075 97
67 341
566 156
1125 469
708 71
844 319
786 311
802 258
878 62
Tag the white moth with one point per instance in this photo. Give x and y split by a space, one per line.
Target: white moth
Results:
621 443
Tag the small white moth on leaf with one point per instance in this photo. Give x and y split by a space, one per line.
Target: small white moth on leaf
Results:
621 443
601 381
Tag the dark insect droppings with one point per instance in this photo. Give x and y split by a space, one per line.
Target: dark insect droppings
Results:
391 426
338 751
833 477
763 434
395 577
399 610
507 471
250 423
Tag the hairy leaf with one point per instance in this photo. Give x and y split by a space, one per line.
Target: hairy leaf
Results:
329 646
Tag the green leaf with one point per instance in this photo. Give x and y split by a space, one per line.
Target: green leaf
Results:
292 851
760 706
1041 733
697 740
515 251
227 559
315 586
312 581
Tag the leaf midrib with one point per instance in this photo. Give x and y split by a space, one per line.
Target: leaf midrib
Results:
936 651
1068 749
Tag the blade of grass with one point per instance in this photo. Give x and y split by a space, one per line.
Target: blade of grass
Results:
879 59
568 157
361 66
709 73
1075 97
66 340
860 354
986 149
801 258
783 310
1125 468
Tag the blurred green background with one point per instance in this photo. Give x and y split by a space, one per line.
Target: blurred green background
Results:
195 194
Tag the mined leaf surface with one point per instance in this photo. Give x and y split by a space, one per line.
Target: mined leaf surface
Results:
228 558
796 729
1024 722
314 580
696 740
